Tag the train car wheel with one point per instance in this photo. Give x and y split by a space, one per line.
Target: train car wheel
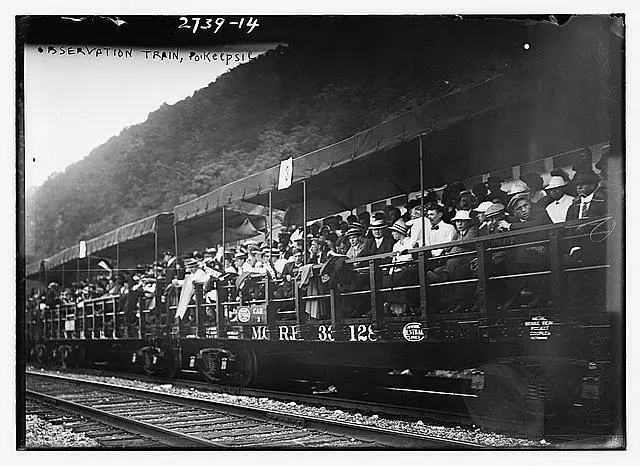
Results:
237 366
64 356
41 354
246 371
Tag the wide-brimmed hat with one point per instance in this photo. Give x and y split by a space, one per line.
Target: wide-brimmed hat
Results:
462 215
401 227
556 182
494 209
518 187
378 224
482 208
516 199
355 229
240 255
585 177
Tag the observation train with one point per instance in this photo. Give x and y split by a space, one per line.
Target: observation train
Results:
562 359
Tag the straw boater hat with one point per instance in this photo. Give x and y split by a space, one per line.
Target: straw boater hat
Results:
518 187
482 208
556 182
400 227
516 199
240 254
462 215
494 209
378 224
355 229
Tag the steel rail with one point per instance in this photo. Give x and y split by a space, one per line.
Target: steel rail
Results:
160 434
381 437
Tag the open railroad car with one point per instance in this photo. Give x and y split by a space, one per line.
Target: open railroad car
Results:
559 360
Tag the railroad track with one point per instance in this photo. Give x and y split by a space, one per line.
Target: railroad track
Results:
184 422
327 400
107 433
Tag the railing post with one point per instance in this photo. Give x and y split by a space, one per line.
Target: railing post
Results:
556 278
223 296
59 309
336 316
301 315
103 304
422 271
115 318
483 280
374 282
200 327
141 317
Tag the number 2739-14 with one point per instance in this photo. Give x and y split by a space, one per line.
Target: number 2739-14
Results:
195 23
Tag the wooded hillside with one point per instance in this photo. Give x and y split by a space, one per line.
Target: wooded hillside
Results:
318 89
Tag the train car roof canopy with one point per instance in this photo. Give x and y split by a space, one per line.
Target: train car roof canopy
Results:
552 102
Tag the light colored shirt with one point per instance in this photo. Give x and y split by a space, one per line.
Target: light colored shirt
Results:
557 210
416 230
584 205
355 250
445 233
401 245
378 241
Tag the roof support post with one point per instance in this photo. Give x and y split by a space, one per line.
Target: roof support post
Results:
155 252
220 323
175 239
117 271
420 157
304 220
270 226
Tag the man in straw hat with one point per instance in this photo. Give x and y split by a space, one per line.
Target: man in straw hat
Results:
559 201
457 266
358 245
480 210
381 242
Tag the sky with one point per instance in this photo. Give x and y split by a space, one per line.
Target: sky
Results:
74 103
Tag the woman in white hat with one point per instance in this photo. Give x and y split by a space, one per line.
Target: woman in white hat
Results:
401 274
560 201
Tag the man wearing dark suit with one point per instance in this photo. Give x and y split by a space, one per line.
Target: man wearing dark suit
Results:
382 242
589 203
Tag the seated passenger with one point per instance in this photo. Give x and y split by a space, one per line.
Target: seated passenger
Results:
317 251
358 245
382 242
439 232
586 205
402 273
481 220
559 201
523 214
534 183
458 267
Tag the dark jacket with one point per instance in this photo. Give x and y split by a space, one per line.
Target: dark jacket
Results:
537 218
597 208
385 246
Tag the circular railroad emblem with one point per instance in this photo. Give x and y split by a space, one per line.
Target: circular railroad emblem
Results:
413 332
244 314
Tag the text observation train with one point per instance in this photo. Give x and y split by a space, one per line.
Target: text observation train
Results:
556 357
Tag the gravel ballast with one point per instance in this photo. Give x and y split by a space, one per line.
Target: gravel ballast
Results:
476 435
43 434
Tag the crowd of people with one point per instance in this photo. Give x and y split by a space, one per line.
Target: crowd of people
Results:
318 261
